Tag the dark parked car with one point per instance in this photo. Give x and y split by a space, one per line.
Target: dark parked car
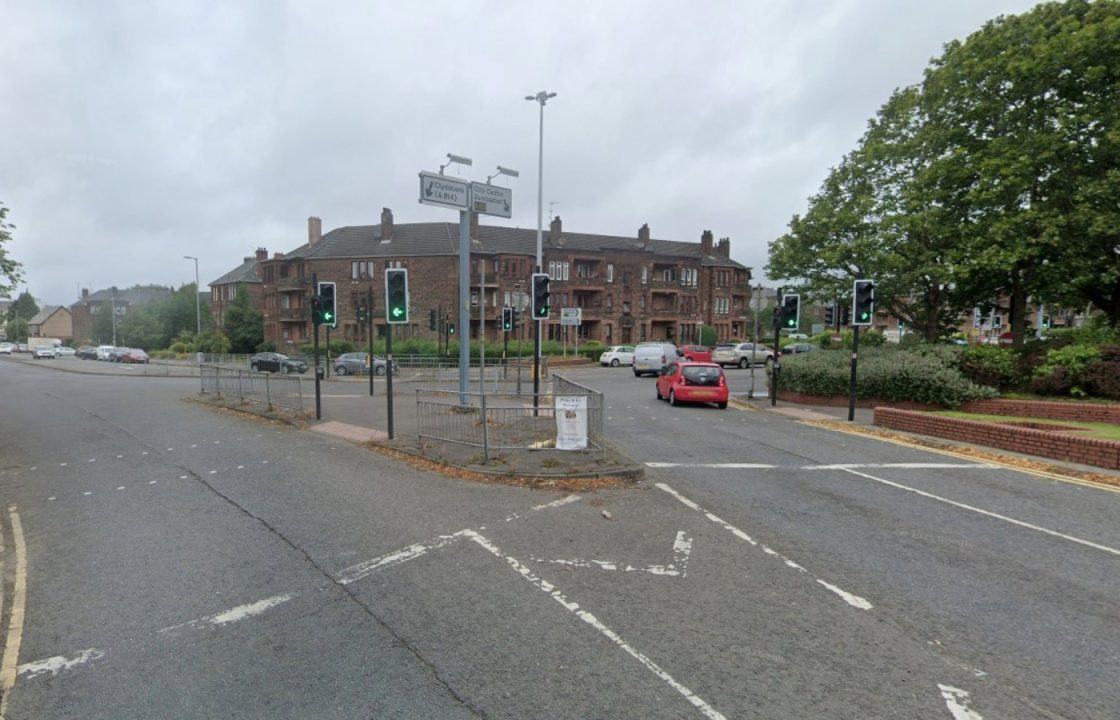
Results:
276 362
135 356
357 363
87 352
795 348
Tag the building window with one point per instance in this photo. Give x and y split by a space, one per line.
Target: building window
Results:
625 308
558 270
354 270
396 263
610 302
642 332
645 277
667 274
642 302
474 298
610 273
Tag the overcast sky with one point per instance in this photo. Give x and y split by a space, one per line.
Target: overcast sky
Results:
136 133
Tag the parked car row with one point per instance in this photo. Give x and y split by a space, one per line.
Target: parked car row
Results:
110 353
276 362
358 363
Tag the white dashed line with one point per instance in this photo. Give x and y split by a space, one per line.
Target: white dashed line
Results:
51 497
119 457
151 482
87 492
120 487
183 477
957 701
62 464
557 503
92 459
240 467
213 472
241 612
853 600
58 663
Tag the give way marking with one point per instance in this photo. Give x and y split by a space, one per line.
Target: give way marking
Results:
682 548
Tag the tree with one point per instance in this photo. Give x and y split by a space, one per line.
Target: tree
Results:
10 270
1028 106
708 335
16 330
243 324
24 307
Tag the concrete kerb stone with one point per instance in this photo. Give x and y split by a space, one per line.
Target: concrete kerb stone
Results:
249 409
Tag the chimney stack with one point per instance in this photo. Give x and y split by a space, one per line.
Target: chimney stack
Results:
85 293
386 225
643 236
262 254
706 242
723 248
314 230
554 231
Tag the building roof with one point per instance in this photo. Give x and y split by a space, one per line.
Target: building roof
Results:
245 272
135 295
45 314
364 241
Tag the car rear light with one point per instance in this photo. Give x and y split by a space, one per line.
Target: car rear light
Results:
662 359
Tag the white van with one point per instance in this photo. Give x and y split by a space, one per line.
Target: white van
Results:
105 352
650 358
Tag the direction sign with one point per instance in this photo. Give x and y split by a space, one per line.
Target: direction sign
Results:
491 200
571 316
444 191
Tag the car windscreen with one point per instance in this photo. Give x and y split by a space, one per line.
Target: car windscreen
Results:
701 375
725 347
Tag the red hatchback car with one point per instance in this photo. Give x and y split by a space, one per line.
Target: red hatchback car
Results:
693 382
696 353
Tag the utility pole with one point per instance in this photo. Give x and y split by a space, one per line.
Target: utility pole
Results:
369 330
541 97
464 304
482 326
197 300
754 338
315 347
113 308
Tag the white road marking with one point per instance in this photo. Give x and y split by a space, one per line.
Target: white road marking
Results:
34 468
240 467
51 497
368 567
989 513
92 459
58 663
217 442
573 607
557 503
119 457
194 445
87 492
62 464
8 665
151 482
957 701
682 548
143 452
837 466
182 477
235 614
213 472
120 487
854 600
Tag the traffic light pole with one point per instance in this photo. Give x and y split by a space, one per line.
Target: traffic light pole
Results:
369 330
464 304
852 380
315 353
388 375
327 366
776 366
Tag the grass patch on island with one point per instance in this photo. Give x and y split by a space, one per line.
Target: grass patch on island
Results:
1097 430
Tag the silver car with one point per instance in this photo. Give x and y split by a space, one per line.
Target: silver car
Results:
742 354
651 358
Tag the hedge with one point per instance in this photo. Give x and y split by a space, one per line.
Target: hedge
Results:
885 373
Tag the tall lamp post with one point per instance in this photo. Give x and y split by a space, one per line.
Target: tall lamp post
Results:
197 301
541 98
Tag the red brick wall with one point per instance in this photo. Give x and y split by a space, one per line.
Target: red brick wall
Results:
1102 453
1085 412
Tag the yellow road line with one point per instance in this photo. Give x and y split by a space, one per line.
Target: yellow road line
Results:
15 625
994 458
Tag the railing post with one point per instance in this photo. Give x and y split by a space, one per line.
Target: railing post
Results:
485 432
240 387
299 387
267 392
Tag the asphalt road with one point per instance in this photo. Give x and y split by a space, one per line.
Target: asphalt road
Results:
161 559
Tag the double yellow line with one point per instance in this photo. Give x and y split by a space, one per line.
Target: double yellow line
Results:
10 663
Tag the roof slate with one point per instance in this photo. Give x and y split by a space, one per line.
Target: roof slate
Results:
43 315
364 241
135 295
245 272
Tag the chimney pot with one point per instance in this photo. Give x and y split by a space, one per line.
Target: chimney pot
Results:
262 254
706 242
85 293
554 229
643 236
386 224
314 230
723 249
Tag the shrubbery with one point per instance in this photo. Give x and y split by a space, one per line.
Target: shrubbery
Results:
991 365
887 373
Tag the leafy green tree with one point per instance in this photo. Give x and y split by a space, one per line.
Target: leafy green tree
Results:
142 327
16 330
1028 108
243 324
10 270
101 326
708 335
24 307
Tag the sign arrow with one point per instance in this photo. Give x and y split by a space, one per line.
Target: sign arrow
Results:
428 190
682 548
397 312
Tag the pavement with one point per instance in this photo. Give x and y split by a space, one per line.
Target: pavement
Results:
162 558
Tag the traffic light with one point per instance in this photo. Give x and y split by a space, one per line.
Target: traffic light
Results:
316 310
432 320
327 314
1045 321
450 328
541 306
863 301
515 318
829 315
507 319
845 316
396 296
789 315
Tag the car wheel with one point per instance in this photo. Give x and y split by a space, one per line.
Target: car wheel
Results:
657 389
722 405
769 362
283 369
673 398
340 370
637 374
743 362
379 370
615 363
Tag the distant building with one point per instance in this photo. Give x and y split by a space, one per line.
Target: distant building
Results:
53 321
246 277
629 289
114 299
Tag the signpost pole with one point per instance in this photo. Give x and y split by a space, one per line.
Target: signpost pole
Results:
327 367
464 304
776 366
369 330
315 353
482 326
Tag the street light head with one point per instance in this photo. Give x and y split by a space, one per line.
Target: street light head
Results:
551 95
508 171
459 159
530 97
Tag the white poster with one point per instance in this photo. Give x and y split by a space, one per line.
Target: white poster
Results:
571 422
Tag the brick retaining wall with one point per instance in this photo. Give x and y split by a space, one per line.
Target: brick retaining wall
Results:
1085 412
842 401
1062 446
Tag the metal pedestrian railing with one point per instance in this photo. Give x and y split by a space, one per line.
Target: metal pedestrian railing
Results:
285 391
503 420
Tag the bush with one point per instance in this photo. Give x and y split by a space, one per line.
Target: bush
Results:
266 346
885 373
1102 378
708 335
991 365
1055 382
1072 358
